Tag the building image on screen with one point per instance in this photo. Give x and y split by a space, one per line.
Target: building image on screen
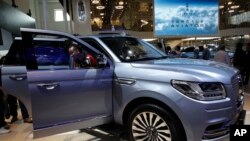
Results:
185 17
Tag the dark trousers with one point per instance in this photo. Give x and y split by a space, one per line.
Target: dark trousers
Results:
13 107
23 110
2 122
12 101
246 77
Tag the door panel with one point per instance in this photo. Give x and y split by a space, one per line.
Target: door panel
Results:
66 96
14 81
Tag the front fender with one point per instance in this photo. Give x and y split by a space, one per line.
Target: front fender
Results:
163 92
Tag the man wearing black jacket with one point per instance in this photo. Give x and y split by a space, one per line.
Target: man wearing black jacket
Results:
247 65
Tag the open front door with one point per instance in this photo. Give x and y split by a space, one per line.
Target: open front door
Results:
66 98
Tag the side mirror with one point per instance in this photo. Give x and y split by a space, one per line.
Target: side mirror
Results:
102 60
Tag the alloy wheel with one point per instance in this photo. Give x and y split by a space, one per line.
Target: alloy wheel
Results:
149 126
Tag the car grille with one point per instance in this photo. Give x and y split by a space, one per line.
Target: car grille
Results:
237 83
236 80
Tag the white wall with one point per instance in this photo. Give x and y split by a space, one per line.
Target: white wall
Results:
52 25
78 27
36 8
23 5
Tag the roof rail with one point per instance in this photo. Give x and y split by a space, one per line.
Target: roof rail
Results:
122 33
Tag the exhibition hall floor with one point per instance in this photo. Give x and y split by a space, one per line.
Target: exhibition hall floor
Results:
23 131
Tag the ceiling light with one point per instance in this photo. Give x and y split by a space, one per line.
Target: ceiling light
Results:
101 14
201 38
100 7
119 7
121 3
235 6
231 11
95 1
229 3
144 21
221 6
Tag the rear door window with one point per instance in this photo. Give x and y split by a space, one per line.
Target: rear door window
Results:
49 54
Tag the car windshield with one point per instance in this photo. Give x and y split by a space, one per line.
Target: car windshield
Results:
130 49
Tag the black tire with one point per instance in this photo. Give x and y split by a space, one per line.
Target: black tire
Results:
153 123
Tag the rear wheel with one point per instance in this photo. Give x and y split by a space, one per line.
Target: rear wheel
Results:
150 122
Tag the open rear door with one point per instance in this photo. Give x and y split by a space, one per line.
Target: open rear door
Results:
14 74
14 82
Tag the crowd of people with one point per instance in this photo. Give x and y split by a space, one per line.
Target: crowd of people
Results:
240 60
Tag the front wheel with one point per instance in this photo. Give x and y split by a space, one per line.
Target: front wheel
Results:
150 122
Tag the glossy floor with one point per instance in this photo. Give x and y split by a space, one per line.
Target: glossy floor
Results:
23 132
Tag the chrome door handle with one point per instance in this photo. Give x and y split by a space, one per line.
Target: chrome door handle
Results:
125 81
18 77
49 86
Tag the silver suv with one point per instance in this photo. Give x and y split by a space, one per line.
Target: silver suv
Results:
124 80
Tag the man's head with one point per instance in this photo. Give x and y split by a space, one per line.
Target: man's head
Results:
178 48
73 50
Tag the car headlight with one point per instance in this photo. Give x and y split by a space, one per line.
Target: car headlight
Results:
204 91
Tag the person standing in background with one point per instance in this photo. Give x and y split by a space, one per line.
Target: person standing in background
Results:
168 50
4 128
205 53
247 64
177 52
222 56
13 106
196 52
239 59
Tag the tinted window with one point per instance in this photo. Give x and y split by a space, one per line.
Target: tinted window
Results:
51 53
94 44
58 53
47 55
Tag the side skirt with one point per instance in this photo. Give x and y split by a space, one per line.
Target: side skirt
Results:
56 129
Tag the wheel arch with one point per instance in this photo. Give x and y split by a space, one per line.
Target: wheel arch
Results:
148 100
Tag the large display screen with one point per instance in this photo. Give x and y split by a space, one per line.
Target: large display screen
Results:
185 17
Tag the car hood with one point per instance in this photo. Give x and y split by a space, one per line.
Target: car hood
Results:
202 70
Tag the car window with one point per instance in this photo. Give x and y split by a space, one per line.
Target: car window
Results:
49 53
131 49
94 44
59 53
